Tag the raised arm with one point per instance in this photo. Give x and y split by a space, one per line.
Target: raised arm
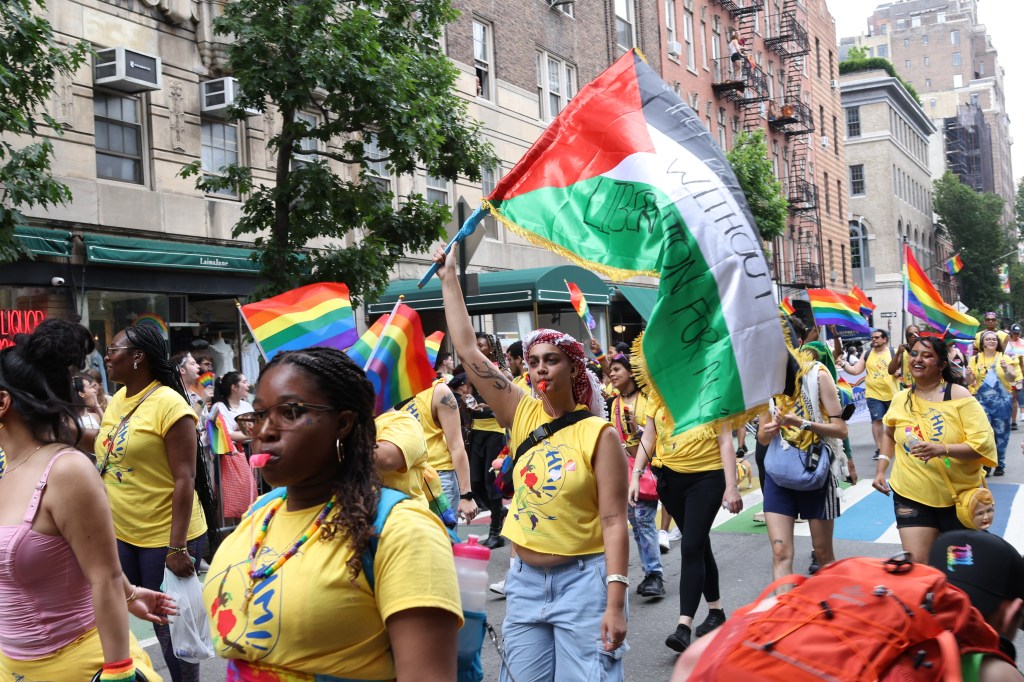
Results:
859 366
500 394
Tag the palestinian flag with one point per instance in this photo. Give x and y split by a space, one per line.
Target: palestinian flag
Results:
627 182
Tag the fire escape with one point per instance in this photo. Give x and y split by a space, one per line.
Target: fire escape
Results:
794 117
742 82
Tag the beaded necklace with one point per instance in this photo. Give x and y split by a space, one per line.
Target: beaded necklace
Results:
260 574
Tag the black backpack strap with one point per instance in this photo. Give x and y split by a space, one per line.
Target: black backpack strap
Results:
549 429
948 393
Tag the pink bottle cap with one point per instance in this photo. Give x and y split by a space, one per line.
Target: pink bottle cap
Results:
471 550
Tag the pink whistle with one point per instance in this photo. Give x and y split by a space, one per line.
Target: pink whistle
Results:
259 461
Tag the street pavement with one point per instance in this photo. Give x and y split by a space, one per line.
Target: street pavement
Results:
744 561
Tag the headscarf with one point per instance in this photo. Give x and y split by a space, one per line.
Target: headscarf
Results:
585 388
824 356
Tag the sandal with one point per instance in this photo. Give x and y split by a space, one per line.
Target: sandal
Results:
759 517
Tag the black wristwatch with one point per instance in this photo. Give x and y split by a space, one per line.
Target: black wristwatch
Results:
466 496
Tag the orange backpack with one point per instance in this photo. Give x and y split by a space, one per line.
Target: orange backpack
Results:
856 619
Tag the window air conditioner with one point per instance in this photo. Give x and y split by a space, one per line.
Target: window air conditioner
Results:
674 48
824 141
217 96
835 84
126 70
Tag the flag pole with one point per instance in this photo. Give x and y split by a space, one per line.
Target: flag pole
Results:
590 332
467 229
906 274
383 331
249 327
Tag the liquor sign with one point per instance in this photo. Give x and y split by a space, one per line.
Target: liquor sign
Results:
14 322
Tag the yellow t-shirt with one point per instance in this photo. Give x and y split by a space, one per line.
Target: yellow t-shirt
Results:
880 384
951 421
637 414
487 424
672 453
554 507
138 476
1000 334
308 617
404 430
981 366
420 407
523 382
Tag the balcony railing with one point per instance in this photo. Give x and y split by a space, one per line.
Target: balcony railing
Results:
788 38
740 81
793 117
802 196
739 9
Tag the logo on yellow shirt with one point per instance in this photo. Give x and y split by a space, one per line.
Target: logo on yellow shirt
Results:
115 447
253 629
542 477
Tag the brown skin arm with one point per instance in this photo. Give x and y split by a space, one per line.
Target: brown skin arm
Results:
445 410
181 456
424 643
610 471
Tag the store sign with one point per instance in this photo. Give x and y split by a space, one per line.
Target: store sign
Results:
14 322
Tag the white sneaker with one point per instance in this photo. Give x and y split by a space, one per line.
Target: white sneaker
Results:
498 588
675 534
663 541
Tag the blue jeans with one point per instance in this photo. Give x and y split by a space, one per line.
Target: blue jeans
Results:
998 404
645 532
450 486
552 628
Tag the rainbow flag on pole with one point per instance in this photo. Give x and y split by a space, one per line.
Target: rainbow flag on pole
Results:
787 306
922 300
433 343
579 302
313 315
399 368
866 306
831 307
954 264
219 435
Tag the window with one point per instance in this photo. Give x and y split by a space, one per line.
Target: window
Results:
306 144
906 42
722 124
437 190
957 61
927 82
817 56
488 179
981 68
828 196
842 251
940 18
835 135
624 36
376 166
927 60
670 20
924 40
883 51
853 122
839 196
857 179
906 63
704 45
958 80
483 58
859 257
954 37
556 85
565 8
219 142
691 58
118 124
915 21
885 29
901 24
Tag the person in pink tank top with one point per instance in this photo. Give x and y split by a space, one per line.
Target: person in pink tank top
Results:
65 599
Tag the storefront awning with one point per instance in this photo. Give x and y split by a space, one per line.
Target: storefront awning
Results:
641 298
150 253
45 242
506 290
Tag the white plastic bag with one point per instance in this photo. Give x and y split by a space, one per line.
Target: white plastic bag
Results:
190 629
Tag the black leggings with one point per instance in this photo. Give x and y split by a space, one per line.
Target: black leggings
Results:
485 446
693 500
760 452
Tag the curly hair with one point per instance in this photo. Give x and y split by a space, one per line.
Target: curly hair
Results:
941 350
494 347
356 485
36 372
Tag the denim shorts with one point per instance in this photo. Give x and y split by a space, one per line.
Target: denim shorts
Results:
913 514
552 627
450 486
877 408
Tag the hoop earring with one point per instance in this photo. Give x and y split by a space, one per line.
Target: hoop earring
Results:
135 365
340 447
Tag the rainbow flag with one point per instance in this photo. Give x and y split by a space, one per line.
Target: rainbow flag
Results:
219 435
831 307
313 315
433 343
206 379
400 368
787 306
922 300
866 306
579 302
954 264
845 390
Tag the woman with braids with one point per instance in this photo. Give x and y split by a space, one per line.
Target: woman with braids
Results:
933 430
146 453
64 601
287 593
566 590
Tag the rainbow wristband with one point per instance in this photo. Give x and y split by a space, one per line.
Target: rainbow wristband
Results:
119 671
600 357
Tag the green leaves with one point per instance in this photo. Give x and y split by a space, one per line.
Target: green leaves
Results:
362 68
749 161
29 63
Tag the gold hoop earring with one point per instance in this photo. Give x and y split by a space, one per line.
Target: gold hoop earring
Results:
340 447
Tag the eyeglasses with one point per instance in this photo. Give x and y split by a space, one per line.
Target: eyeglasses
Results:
110 348
284 416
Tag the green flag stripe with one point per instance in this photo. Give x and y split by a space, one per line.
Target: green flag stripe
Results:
295 331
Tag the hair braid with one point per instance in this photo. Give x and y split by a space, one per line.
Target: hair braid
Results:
357 485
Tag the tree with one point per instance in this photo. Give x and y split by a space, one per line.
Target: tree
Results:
373 76
749 161
29 63
1018 208
973 222
856 53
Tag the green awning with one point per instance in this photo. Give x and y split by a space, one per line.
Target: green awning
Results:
45 242
641 298
507 289
150 253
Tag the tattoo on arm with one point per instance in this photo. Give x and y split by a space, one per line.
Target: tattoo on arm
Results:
448 400
489 371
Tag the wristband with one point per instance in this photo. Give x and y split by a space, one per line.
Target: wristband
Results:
885 458
119 671
177 550
600 357
466 496
617 578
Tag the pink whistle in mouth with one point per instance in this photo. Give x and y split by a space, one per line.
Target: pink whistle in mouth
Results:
542 386
259 461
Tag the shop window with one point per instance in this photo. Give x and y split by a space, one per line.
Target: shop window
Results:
118 125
